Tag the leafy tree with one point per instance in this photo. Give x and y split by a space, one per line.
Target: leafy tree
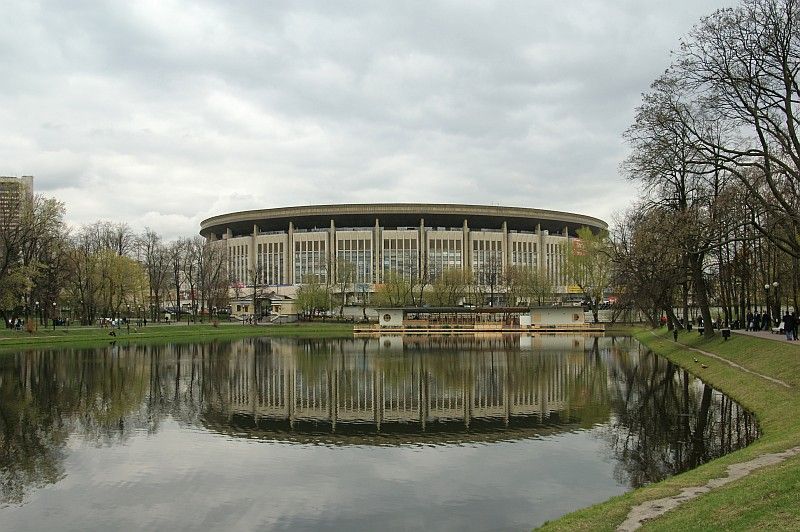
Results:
312 296
588 265
395 291
449 288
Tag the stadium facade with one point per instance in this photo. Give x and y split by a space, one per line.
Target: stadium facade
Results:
283 247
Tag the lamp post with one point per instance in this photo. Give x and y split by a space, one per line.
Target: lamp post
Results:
766 291
777 301
38 314
769 306
54 315
128 317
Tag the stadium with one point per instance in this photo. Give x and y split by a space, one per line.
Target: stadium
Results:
283 247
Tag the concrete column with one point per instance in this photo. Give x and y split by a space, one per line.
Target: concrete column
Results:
377 249
252 257
466 259
332 251
285 267
540 251
423 248
290 256
506 254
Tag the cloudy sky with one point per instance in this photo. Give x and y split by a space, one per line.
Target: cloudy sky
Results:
162 113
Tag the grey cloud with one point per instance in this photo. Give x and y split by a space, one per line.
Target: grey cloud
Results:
164 113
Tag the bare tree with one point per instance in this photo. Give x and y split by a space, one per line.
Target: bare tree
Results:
177 253
117 237
344 279
155 258
742 64
680 176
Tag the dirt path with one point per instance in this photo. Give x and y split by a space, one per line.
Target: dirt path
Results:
732 364
656 508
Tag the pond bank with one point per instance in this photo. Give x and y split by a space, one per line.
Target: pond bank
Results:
765 497
14 340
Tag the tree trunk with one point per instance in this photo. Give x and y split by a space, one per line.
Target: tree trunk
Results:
701 292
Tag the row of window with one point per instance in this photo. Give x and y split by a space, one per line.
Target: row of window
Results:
399 255
270 263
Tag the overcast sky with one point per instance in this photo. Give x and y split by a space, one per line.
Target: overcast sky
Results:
162 113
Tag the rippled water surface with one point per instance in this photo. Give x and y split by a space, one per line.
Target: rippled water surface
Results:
491 433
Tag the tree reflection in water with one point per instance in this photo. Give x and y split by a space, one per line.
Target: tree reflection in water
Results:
380 391
666 421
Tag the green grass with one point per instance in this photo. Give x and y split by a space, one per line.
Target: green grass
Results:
44 337
764 499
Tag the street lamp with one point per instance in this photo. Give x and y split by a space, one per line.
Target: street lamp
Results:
767 287
54 315
128 317
777 300
38 314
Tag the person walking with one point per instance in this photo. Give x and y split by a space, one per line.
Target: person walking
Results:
788 325
794 326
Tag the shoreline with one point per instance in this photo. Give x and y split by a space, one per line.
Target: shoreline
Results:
762 376
766 496
45 338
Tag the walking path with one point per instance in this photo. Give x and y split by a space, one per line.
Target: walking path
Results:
767 335
656 508
734 364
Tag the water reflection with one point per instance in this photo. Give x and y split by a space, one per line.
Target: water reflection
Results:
452 388
656 419
666 421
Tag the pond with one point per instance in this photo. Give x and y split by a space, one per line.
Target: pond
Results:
446 433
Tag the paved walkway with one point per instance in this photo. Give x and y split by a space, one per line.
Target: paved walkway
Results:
652 509
767 335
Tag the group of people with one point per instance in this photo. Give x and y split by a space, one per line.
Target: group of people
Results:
763 322
758 321
15 323
790 325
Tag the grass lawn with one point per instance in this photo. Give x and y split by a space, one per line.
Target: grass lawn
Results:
765 499
15 340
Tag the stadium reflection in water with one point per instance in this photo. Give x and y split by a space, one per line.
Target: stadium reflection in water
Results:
501 395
